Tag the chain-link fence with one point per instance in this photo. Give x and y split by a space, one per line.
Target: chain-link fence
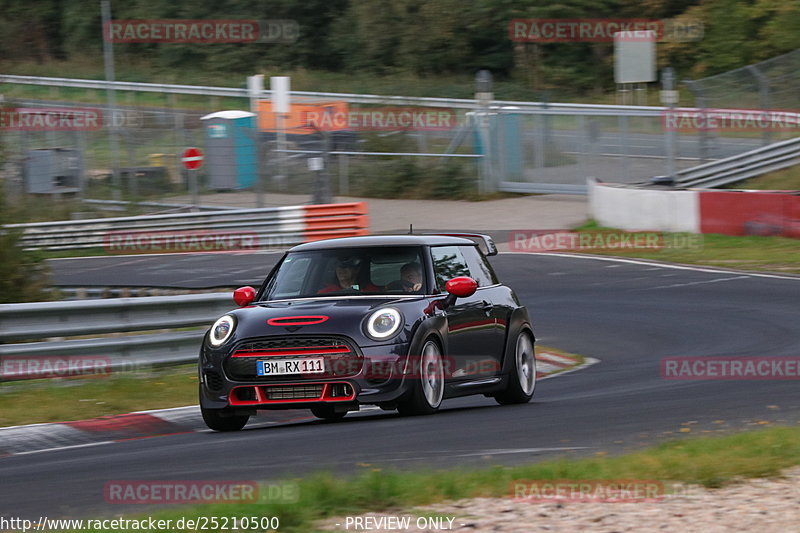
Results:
528 147
773 84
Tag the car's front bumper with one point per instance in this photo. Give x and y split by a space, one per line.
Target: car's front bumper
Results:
377 378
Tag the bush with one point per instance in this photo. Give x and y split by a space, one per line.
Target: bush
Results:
24 275
409 177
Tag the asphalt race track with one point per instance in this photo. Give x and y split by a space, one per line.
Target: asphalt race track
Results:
629 315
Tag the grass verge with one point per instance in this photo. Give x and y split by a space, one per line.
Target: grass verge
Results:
772 254
80 398
787 179
711 462
65 399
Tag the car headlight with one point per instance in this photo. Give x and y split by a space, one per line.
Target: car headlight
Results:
221 330
384 323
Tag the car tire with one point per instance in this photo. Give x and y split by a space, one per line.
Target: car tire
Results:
327 412
522 379
428 390
223 419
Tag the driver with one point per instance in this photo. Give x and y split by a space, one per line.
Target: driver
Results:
347 269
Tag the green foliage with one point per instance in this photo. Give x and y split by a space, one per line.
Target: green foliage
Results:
411 37
410 177
23 275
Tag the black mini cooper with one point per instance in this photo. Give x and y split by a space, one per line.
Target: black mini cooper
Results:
397 321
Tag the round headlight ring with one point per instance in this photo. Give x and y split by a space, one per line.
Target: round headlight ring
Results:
384 323
221 331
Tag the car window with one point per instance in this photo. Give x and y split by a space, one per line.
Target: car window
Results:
448 263
290 276
482 271
349 271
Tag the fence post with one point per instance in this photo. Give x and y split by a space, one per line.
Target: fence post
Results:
700 102
763 100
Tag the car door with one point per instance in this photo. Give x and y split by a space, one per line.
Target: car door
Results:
496 302
471 351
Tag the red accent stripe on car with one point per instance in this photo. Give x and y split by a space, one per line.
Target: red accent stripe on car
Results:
262 394
475 324
297 320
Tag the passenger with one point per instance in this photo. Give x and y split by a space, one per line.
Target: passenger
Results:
347 269
410 278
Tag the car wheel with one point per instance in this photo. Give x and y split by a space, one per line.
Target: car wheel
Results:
428 391
522 381
327 412
223 419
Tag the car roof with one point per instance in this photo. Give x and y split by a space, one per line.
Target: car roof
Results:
383 240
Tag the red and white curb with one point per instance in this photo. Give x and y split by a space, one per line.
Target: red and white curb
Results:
38 438
550 364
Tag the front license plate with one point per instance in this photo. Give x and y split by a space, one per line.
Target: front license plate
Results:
280 367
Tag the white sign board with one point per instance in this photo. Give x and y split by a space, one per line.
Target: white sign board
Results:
635 56
279 85
315 163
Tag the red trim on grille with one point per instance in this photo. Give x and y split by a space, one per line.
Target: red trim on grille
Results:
297 320
301 350
263 398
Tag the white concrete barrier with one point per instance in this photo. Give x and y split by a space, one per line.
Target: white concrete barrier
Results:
642 210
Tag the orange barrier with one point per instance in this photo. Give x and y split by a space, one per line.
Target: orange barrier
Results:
329 221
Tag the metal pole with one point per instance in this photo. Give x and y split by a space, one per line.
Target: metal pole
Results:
255 88
193 188
763 100
113 142
700 102
668 84
283 159
344 175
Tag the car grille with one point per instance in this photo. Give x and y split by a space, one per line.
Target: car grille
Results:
340 356
294 392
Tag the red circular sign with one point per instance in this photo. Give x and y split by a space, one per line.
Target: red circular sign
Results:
192 158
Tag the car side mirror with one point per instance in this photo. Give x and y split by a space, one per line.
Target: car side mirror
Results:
461 287
244 296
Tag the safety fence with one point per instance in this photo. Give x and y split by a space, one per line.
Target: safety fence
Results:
160 321
220 231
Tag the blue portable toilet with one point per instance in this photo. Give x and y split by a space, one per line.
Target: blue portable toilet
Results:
231 149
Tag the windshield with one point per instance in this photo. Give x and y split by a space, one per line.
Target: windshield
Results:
349 271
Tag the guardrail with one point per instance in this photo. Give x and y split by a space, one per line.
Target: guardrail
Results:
224 230
742 166
457 103
53 320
